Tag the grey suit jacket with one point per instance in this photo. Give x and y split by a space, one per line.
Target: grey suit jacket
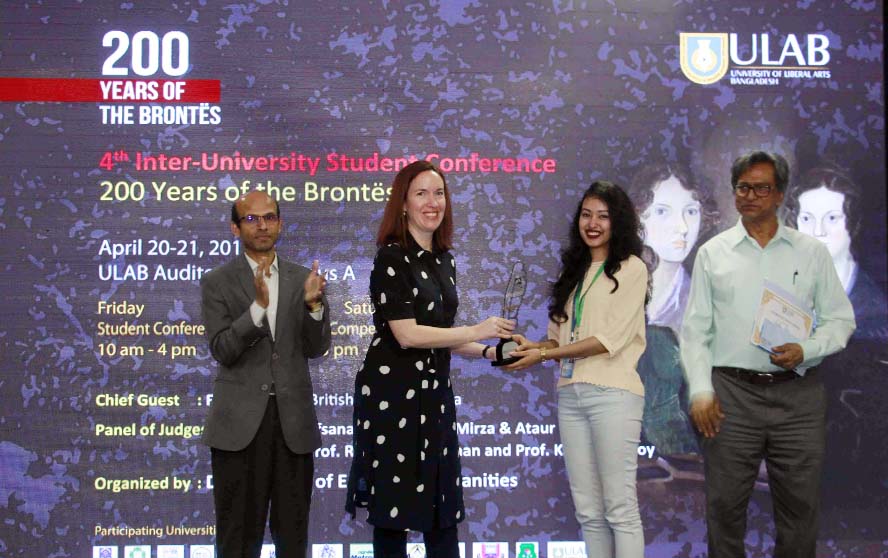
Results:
249 361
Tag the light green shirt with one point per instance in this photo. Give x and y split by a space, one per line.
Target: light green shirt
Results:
726 288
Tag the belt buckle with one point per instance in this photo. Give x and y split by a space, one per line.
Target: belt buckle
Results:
767 377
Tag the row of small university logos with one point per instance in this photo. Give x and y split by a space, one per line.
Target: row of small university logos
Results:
523 549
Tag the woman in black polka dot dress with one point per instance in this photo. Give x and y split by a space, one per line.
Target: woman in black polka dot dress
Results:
406 468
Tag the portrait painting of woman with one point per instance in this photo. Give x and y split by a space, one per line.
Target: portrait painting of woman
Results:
826 204
677 214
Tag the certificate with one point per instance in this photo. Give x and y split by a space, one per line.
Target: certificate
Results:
781 318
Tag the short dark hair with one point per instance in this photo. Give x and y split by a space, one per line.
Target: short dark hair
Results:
235 216
836 179
641 192
744 162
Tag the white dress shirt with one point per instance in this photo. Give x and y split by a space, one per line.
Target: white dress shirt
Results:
270 313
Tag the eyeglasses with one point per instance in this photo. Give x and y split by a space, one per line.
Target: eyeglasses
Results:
761 190
269 218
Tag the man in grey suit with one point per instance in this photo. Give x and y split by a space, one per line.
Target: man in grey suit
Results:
264 319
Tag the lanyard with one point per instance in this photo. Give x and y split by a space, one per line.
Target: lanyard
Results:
580 300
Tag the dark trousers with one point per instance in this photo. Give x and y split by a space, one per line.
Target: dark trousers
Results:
784 424
247 481
439 543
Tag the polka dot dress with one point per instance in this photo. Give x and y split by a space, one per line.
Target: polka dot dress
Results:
406 468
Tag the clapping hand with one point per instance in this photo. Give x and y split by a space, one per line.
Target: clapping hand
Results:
314 287
263 271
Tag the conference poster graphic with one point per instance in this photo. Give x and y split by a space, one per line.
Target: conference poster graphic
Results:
127 130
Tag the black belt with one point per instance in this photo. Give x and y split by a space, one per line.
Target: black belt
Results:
759 378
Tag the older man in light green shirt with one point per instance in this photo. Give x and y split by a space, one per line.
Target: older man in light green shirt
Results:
750 404
733 270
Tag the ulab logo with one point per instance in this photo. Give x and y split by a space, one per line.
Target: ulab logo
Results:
704 57
566 549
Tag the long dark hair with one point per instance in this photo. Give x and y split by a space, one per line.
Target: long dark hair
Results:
393 227
625 241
